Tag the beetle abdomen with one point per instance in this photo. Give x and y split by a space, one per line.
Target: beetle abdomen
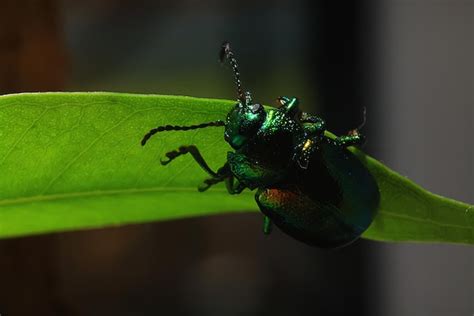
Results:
315 223
329 204
359 192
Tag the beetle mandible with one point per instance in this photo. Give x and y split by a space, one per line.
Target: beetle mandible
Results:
308 183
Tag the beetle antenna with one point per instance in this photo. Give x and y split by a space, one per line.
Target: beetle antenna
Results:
364 118
356 130
227 54
166 128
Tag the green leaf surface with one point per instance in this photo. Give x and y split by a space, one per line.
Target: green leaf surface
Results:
74 160
407 212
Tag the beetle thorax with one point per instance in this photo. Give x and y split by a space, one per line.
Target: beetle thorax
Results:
267 139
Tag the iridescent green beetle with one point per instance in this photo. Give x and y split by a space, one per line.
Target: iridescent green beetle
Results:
308 184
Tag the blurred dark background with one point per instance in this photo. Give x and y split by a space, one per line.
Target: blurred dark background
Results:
410 63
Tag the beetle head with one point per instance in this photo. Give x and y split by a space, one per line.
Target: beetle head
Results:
244 120
242 123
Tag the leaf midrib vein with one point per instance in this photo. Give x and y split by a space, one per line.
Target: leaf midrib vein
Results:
425 220
63 196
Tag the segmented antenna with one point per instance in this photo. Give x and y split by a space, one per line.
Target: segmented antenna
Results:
227 54
364 118
356 130
166 128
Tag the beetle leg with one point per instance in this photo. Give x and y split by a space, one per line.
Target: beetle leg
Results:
289 105
223 174
313 126
232 187
209 183
353 139
194 153
315 122
267 225
314 131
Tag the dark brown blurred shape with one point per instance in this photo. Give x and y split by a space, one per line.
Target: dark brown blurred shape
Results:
32 58
32 53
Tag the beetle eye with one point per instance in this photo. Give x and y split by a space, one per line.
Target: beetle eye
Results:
255 108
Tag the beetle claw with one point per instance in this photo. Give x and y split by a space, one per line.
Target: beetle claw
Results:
203 188
165 162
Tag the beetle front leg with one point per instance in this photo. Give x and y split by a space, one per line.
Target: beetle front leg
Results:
223 174
209 183
191 149
233 187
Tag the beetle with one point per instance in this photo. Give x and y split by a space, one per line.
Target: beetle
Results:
307 183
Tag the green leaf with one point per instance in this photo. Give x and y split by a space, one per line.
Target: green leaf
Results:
74 160
407 212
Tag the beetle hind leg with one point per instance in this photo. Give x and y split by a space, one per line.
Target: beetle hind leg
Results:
353 137
267 225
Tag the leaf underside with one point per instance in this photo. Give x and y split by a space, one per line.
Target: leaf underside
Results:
71 161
